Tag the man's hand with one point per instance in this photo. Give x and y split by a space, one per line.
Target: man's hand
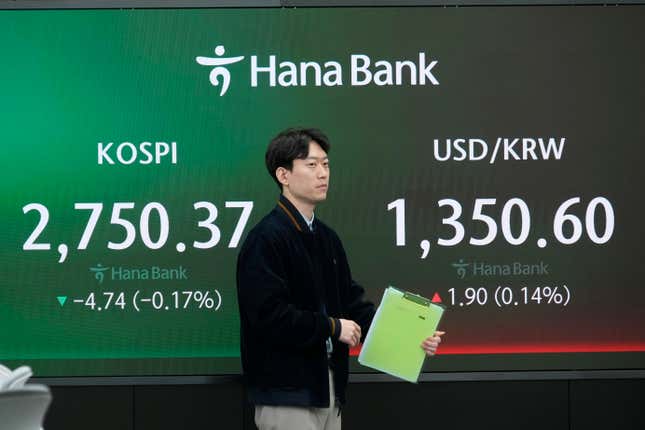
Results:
431 344
350 333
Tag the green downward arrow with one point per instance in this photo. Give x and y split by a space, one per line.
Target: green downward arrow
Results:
62 300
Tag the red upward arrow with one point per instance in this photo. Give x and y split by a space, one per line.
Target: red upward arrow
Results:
436 298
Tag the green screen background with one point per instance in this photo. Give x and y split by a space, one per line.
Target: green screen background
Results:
71 79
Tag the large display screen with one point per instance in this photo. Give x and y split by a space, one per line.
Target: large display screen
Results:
488 158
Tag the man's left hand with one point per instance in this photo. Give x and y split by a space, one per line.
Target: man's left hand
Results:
431 344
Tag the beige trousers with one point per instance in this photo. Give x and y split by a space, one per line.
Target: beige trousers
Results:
299 418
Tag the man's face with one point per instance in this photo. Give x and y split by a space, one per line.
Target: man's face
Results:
308 180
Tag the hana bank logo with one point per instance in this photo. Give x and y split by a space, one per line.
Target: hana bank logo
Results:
219 71
358 70
98 272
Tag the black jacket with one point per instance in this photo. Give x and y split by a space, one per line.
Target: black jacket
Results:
293 285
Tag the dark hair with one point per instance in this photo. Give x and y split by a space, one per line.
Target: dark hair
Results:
291 144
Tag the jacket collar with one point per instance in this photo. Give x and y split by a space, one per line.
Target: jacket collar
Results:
295 217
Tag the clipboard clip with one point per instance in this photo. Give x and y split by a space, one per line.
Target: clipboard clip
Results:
416 299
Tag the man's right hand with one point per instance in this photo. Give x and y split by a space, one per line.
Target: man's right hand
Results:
350 332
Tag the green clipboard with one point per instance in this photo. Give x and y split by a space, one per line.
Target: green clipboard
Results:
401 323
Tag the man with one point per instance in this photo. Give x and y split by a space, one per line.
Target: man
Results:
300 310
